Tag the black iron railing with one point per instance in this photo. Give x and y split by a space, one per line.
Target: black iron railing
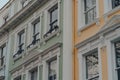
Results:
52 28
35 40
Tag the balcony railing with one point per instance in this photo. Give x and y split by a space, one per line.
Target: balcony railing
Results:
35 40
52 28
20 50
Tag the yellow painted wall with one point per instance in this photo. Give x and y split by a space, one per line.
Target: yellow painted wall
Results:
87 33
103 52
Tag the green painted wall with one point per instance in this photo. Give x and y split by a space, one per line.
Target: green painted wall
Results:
48 44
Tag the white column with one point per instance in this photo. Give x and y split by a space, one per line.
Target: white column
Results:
67 40
27 75
7 57
58 55
45 76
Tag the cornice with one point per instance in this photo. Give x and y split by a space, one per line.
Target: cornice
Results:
33 58
22 15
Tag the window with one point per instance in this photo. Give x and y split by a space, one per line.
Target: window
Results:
18 78
36 32
53 16
20 42
2 55
117 51
53 13
52 70
92 66
115 3
89 10
34 74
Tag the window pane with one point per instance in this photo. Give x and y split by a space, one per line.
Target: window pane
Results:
21 38
36 30
92 68
54 15
90 16
52 70
89 4
34 75
90 10
117 50
2 54
115 3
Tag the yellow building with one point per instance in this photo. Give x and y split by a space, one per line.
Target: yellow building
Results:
96 39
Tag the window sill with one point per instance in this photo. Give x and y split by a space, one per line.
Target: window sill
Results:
111 12
51 35
96 21
33 47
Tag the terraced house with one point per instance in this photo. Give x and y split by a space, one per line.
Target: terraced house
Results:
97 40
34 32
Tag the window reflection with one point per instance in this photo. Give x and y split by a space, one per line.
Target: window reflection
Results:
92 69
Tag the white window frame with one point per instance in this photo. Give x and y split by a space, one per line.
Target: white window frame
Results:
112 73
3 55
108 7
29 72
45 63
30 31
16 40
47 14
48 63
82 65
81 14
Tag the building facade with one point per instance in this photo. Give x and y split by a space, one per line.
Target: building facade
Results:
4 39
37 46
96 39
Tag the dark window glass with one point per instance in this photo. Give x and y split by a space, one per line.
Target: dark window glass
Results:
34 74
52 70
92 69
90 10
53 16
115 3
21 37
117 51
18 78
2 55
36 30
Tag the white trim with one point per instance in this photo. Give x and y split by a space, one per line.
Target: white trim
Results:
50 55
85 50
47 17
81 16
16 40
107 6
110 71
